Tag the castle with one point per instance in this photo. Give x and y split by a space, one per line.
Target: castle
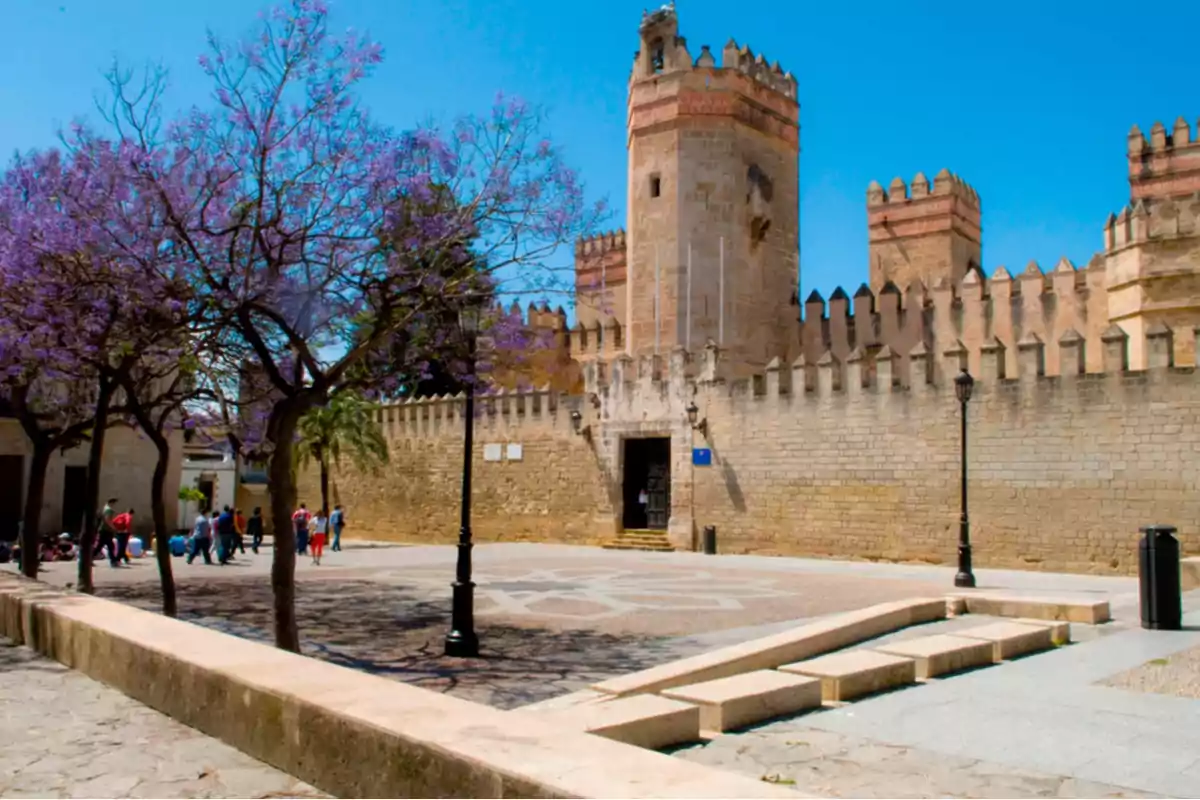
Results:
713 396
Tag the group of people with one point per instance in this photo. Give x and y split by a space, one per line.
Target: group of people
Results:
225 530
312 530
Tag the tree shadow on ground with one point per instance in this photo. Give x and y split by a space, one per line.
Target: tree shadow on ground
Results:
21 659
396 632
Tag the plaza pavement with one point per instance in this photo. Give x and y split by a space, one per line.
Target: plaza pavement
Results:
1070 723
62 734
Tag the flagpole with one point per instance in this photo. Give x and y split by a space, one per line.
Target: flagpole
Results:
657 299
687 334
721 297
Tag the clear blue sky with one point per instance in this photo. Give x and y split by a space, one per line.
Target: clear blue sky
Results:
1027 100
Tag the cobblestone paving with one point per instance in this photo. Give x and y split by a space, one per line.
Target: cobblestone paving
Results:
64 735
838 765
399 633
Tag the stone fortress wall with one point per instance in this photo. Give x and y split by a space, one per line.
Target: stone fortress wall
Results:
835 434
854 457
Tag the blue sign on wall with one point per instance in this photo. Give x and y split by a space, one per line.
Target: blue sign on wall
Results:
701 457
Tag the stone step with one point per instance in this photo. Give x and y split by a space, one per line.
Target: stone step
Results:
615 545
854 673
1011 639
786 647
740 700
940 653
644 720
1069 609
1060 632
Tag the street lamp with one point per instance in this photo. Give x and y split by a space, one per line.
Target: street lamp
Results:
461 641
965 579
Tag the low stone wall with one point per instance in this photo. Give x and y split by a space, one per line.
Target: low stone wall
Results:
345 732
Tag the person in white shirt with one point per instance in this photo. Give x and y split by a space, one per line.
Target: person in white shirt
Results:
320 530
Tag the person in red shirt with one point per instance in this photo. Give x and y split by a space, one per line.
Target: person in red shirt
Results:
300 523
123 525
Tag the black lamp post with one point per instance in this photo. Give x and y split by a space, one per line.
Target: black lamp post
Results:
965 579
461 641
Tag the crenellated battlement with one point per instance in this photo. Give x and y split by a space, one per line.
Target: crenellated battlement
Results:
1150 220
1005 307
1165 165
945 183
601 243
430 417
923 231
740 58
626 383
599 339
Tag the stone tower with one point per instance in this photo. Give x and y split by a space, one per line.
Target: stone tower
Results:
1152 247
921 232
713 168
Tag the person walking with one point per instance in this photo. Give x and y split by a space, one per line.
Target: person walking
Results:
319 532
254 527
123 525
226 534
201 543
239 529
337 521
300 520
108 532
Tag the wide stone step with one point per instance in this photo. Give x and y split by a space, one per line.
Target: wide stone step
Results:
1011 639
940 653
1060 632
855 673
616 545
1068 609
740 700
643 721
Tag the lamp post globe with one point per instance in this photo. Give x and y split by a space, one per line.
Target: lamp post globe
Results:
964 385
692 412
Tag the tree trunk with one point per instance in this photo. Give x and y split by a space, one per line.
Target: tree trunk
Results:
91 498
282 486
34 493
324 483
158 510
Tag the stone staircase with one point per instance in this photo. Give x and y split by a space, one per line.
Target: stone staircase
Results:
651 540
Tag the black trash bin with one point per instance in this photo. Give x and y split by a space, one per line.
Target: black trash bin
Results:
710 540
1158 577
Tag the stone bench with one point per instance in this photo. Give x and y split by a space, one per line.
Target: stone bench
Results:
1088 612
740 700
845 676
285 709
1011 639
940 653
644 720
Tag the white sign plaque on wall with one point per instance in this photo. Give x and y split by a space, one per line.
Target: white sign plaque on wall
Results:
515 452
492 452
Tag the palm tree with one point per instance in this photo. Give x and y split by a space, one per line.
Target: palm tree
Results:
346 425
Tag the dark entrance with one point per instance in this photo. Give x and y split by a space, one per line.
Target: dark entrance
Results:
647 469
12 487
74 490
208 489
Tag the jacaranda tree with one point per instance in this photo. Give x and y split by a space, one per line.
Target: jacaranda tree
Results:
321 240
